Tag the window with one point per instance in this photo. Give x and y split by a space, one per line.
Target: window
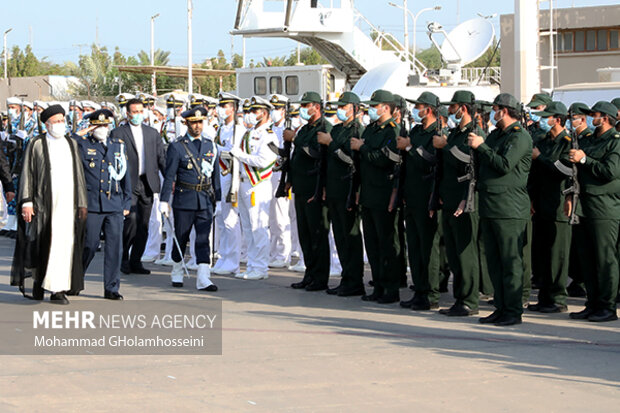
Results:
292 85
601 40
590 40
579 41
613 39
260 85
567 42
275 85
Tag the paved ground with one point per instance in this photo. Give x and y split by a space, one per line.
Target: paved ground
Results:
285 350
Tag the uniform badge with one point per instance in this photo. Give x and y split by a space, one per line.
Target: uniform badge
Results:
91 152
91 164
189 165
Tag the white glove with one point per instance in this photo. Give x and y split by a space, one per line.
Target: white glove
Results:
164 208
21 134
236 152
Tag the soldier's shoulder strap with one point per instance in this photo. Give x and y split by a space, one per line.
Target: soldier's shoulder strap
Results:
198 170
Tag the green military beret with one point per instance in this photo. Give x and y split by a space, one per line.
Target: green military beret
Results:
605 108
380 96
507 100
461 96
348 97
553 109
539 99
579 108
310 97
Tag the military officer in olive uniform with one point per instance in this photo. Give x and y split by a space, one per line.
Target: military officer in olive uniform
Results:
460 221
341 195
505 158
420 216
109 196
192 165
598 162
304 177
378 165
551 232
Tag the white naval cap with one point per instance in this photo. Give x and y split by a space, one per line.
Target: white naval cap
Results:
159 108
260 103
29 104
122 98
41 104
278 100
14 100
90 104
225 97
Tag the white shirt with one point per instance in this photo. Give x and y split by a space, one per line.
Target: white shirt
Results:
136 131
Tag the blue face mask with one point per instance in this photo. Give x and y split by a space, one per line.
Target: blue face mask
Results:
590 122
544 124
534 117
303 113
452 117
492 118
415 114
342 115
372 113
136 119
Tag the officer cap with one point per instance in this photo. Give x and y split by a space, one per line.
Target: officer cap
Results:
506 100
294 110
364 107
76 103
331 108
460 97
539 99
123 98
146 98
443 111
51 111
278 101
175 99
90 104
380 96
310 97
29 105
258 102
100 117
616 102
225 97
196 99
553 109
13 101
605 108
427 98
210 101
195 114
348 97
579 108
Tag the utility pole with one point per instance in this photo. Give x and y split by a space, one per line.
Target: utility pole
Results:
6 54
406 23
190 82
153 78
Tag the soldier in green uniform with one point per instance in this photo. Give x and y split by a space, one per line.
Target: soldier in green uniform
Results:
598 163
304 176
579 124
460 230
341 193
378 157
504 205
420 216
400 110
538 103
551 233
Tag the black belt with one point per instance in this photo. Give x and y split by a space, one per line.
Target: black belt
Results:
196 187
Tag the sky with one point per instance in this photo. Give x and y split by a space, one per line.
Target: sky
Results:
59 30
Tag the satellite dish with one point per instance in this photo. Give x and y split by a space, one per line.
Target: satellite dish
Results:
470 39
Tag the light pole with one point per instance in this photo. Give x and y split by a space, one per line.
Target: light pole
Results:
414 17
190 81
153 79
6 54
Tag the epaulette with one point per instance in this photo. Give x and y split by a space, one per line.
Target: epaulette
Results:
516 128
269 130
589 134
567 137
616 135
392 124
121 141
216 127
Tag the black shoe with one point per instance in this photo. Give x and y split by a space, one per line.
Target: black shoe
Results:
378 292
351 292
553 308
371 283
210 288
491 318
38 293
140 270
72 293
59 298
125 268
316 286
408 303
534 307
459 310
389 298
575 290
177 285
302 284
420 303
333 291
582 315
112 295
508 320
602 316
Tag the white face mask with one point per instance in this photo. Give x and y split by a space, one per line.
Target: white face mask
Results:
222 115
366 120
253 119
295 122
13 113
57 130
246 119
332 120
124 112
101 133
276 116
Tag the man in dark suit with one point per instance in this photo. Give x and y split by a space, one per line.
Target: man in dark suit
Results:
146 157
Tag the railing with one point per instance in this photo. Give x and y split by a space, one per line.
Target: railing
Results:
478 74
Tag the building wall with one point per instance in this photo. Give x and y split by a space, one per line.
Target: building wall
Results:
45 88
573 67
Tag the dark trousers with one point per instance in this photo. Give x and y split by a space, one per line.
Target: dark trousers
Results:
112 225
348 238
313 230
421 236
136 228
550 258
382 248
461 239
183 222
503 243
527 261
598 254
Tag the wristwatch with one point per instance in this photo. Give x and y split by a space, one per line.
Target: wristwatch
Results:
583 160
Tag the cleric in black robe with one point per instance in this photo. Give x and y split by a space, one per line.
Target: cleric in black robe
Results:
51 206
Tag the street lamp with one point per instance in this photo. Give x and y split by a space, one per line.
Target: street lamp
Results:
6 54
153 83
190 80
414 17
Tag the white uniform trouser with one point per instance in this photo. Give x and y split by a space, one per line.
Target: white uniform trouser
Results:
334 267
279 224
255 223
229 232
153 243
295 246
